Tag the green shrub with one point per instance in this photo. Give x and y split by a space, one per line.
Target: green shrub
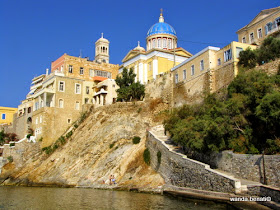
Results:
48 150
136 140
112 145
147 156
159 157
139 110
62 140
76 125
28 135
40 139
10 158
69 134
12 144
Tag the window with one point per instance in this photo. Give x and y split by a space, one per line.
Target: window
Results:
238 50
68 121
201 65
78 88
277 22
176 78
61 86
268 28
169 43
244 39
164 43
87 89
60 103
252 37
102 74
3 116
86 100
227 55
70 69
77 105
259 33
91 73
184 74
219 61
192 70
158 41
29 110
154 43
81 70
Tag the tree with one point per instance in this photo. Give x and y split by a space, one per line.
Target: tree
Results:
129 89
248 58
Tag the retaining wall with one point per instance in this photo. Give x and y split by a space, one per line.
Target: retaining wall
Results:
178 170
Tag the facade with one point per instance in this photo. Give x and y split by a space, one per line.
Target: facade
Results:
6 115
207 71
266 23
55 99
161 55
105 93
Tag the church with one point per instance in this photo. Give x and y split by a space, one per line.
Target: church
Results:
161 53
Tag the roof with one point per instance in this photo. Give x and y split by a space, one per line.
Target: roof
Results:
161 28
196 55
262 15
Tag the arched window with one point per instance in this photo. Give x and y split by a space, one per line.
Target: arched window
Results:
77 105
60 103
159 43
169 44
164 43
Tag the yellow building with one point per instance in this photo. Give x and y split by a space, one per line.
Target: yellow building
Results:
161 55
6 114
266 23
207 71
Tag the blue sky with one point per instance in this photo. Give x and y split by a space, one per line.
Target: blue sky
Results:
36 32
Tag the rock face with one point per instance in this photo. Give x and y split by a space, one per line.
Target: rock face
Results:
101 146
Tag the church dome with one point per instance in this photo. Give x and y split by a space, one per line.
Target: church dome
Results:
161 28
139 48
102 39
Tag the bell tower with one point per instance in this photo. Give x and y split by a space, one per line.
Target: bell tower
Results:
102 50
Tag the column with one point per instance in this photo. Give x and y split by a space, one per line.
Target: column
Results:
141 73
135 71
145 73
155 67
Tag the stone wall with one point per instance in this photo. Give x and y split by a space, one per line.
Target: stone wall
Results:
178 170
21 152
160 88
250 167
245 166
264 191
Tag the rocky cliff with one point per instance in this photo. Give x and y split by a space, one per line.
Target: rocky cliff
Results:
101 146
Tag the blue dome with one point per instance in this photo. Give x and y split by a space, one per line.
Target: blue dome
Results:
161 28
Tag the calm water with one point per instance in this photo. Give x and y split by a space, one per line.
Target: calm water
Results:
77 198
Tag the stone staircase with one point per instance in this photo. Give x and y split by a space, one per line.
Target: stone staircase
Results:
159 131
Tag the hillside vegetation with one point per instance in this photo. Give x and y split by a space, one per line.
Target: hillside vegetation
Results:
244 118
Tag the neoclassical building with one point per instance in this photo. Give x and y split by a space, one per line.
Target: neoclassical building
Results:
160 55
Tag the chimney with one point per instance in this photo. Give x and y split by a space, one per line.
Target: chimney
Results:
47 71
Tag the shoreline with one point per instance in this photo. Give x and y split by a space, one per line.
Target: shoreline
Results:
168 190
